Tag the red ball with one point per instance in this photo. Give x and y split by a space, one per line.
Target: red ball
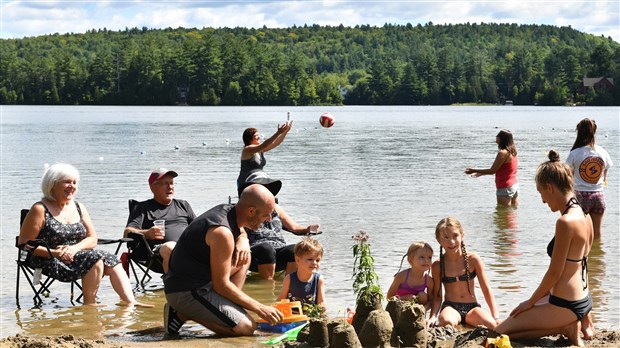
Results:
327 120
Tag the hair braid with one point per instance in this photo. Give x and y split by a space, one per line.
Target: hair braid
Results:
442 266
466 260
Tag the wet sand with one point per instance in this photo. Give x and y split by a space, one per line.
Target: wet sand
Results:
603 338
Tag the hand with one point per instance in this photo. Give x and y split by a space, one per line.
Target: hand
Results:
430 322
288 125
242 252
66 253
312 229
271 314
154 233
469 171
522 307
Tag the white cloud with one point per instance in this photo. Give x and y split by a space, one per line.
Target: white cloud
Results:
31 18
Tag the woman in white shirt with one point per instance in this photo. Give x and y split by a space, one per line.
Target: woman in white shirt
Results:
589 163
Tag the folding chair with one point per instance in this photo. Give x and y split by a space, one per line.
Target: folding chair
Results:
140 254
42 287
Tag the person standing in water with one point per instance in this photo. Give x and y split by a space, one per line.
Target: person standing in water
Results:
589 163
505 169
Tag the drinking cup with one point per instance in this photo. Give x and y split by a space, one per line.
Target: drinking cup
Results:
162 226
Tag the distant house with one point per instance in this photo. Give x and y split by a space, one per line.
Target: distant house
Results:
606 83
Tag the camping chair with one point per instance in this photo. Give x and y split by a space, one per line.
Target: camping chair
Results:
133 259
41 287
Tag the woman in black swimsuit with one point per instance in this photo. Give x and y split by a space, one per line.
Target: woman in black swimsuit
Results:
566 280
252 158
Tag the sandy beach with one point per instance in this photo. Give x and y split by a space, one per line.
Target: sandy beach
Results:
473 338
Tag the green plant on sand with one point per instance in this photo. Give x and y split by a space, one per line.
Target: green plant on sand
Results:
314 310
365 279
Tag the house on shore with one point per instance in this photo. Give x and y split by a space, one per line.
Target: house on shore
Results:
598 83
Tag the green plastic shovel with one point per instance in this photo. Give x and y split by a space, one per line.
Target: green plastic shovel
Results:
288 335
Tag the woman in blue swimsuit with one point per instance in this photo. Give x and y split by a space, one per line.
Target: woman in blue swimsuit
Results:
566 280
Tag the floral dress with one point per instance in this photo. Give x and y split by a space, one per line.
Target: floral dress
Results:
55 233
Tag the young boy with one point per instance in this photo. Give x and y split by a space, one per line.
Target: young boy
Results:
305 285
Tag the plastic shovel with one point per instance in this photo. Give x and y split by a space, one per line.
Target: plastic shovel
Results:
288 335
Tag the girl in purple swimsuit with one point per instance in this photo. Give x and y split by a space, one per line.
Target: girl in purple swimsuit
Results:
413 282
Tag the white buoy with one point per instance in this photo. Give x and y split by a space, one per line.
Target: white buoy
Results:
46 165
227 141
100 158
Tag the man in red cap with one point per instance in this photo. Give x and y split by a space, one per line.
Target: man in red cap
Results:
176 213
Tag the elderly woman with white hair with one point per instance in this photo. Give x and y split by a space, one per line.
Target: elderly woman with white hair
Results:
65 226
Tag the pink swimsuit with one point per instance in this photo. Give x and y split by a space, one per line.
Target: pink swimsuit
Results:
406 289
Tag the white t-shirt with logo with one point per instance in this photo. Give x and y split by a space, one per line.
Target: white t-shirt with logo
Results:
588 166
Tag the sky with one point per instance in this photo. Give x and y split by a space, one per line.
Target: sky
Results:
39 17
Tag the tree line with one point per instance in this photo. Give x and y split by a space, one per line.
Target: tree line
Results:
311 65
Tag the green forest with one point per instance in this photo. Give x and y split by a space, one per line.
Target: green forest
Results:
312 65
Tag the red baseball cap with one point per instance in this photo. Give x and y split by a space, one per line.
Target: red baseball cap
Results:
159 173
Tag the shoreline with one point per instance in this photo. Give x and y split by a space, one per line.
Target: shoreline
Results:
471 338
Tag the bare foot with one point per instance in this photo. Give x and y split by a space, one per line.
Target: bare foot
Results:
95 304
587 327
137 304
572 333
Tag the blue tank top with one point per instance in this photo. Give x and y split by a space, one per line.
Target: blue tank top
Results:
303 292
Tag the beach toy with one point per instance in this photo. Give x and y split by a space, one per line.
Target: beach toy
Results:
327 120
289 335
293 317
498 342
350 315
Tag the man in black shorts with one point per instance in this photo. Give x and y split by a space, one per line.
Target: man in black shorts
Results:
208 268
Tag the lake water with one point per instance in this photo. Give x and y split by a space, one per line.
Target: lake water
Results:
391 171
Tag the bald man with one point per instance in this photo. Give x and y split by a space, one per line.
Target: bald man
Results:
209 264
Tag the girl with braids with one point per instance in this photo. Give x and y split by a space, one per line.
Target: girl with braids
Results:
589 163
457 270
415 281
566 280
505 169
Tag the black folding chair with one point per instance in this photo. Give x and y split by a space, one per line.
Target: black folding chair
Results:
41 288
140 255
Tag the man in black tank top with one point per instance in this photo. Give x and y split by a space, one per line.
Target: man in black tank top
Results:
208 267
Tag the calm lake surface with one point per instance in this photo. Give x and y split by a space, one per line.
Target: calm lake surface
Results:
393 172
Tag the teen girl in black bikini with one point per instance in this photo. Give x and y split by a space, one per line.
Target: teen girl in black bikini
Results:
566 280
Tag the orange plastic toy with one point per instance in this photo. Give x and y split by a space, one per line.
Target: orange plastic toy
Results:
291 310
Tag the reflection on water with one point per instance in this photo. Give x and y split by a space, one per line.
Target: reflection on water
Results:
505 218
505 247
596 275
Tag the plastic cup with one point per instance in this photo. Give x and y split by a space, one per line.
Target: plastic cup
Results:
162 226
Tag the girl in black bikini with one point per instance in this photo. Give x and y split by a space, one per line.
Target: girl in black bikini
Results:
566 280
457 270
